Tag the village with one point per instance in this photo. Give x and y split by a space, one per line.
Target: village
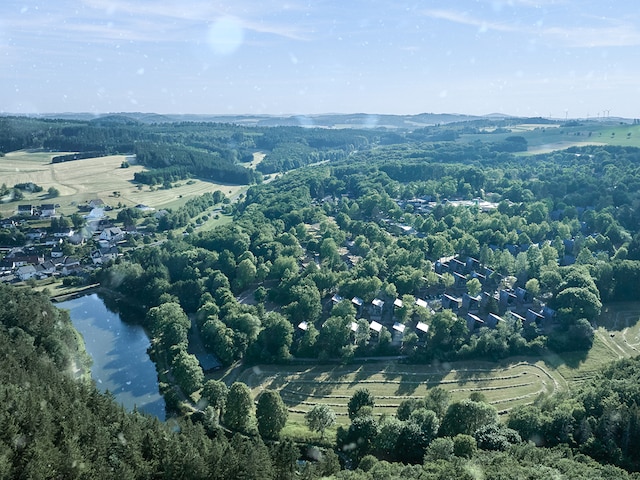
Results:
50 252
515 306
498 300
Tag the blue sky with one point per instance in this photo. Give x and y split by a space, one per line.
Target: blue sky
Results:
574 58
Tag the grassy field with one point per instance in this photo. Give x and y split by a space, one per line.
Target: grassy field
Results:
301 387
617 336
543 138
82 180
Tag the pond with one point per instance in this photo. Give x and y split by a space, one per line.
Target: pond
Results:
119 352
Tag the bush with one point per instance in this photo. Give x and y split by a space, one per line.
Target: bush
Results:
464 446
440 449
73 281
496 437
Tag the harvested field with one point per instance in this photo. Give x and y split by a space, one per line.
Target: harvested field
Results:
302 387
81 180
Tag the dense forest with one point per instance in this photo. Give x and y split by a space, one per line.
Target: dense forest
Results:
175 151
358 227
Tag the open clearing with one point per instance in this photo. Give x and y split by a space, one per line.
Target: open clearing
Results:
543 138
620 328
81 180
302 387
552 147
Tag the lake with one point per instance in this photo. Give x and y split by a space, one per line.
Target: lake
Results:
119 352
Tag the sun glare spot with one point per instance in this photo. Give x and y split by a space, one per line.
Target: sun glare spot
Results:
225 36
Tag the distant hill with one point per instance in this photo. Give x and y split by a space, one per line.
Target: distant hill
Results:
329 120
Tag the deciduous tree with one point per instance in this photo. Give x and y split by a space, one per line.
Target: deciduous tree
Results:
215 394
239 407
467 416
319 418
187 371
271 414
361 398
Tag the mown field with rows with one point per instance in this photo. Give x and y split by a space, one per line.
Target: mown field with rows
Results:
303 387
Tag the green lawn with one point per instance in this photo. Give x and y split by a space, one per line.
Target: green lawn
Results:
544 138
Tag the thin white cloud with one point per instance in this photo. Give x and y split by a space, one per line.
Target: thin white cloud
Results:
526 3
599 31
614 36
466 19
108 21
254 17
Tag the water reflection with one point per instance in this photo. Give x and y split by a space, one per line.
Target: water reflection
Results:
119 352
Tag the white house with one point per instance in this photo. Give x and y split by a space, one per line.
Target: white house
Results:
102 255
36 234
375 326
26 210
71 266
47 210
46 269
64 233
56 251
422 327
376 307
399 327
26 272
421 303
112 234
95 214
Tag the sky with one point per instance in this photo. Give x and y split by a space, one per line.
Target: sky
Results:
550 58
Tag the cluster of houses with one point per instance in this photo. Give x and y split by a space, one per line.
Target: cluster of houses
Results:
513 305
380 314
46 210
23 264
427 203
44 255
